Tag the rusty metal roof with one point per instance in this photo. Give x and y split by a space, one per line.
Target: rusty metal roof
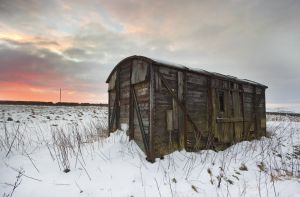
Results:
185 68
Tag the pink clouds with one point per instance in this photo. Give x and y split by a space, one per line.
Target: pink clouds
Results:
30 73
75 44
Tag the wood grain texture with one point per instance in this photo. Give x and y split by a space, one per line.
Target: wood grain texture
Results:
187 113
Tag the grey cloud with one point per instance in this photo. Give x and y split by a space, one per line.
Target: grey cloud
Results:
76 53
26 15
257 39
44 68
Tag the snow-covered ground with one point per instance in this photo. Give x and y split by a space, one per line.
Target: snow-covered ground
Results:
37 144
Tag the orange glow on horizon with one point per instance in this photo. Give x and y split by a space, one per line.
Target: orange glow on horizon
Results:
23 92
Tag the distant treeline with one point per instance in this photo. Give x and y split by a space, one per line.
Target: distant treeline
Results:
50 103
284 113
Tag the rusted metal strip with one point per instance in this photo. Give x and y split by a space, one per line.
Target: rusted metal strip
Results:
145 140
180 105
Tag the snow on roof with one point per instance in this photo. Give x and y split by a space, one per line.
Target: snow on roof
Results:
183 67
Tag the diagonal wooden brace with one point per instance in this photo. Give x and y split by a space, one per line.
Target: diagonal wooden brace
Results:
198 132
145 140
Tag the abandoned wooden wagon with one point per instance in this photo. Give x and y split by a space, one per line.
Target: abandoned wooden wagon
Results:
169 107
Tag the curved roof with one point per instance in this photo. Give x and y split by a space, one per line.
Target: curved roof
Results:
183 68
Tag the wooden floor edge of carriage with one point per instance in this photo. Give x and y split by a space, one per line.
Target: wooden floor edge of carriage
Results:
171 107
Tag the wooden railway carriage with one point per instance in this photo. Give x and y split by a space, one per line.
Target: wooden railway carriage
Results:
169 107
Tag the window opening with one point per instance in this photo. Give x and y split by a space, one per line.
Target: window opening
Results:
221 101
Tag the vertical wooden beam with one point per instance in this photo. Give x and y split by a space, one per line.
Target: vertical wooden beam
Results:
256 104
243 111
184 102
254 109
109 113
210 113
232 114
152 112
131 110
264 115
180 94
118 89
214 104
175 116
113 116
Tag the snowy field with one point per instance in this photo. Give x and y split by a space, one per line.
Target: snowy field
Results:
64 151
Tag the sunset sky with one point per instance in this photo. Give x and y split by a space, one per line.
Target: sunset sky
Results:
50 44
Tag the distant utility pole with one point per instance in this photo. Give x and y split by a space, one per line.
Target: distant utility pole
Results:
60 95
